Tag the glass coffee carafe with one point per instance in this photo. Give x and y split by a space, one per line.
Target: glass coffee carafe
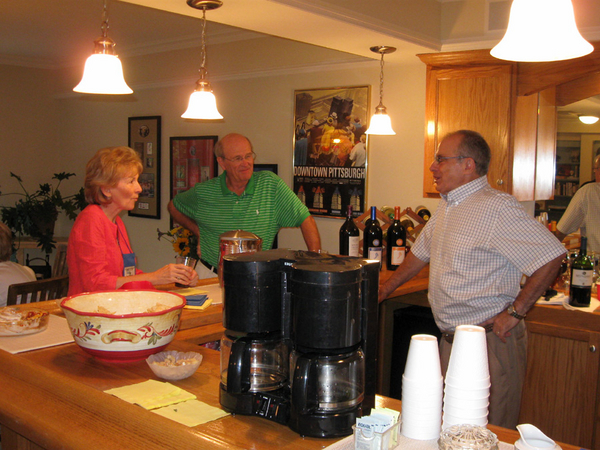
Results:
253 365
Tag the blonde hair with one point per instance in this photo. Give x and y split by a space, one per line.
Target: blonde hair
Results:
106 168
5 242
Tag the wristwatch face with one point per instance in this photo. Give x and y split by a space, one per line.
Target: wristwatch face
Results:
512 312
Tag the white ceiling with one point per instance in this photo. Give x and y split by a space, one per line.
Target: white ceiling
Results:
60 33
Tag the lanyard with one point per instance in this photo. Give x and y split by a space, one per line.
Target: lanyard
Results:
128 258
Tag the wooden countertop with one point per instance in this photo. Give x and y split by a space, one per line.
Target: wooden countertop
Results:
418 283
52 398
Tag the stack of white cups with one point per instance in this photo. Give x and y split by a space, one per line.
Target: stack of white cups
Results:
422 389
467 391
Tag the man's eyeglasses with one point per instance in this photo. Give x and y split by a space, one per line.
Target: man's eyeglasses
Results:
239 159
440 159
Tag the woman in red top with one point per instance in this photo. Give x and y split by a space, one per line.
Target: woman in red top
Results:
99 254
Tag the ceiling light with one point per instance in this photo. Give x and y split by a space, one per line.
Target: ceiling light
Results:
380 121
588 120
541 30
103 72
203 104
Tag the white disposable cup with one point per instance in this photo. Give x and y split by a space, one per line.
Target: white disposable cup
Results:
426 388
456 411
468 383
467 403
423 431
470 394
468 357
423 360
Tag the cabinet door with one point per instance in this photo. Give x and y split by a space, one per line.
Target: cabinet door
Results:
476 98
560 391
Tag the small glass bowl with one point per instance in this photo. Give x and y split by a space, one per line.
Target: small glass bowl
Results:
173 365
467 437
20 321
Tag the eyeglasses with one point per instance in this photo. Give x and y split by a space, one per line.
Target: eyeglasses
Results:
440 159
239 159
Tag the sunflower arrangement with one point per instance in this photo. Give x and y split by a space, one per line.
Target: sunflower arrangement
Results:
184 242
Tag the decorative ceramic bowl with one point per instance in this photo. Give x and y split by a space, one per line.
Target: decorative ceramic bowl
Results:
173 365
19 321
122 325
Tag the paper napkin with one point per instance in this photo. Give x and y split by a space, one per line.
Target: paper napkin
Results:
151 394
191 413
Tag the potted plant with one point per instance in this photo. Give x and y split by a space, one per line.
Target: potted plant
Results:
35 213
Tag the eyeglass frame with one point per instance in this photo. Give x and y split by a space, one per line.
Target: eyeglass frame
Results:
239 159
440 159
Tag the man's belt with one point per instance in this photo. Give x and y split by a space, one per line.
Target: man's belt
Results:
449 337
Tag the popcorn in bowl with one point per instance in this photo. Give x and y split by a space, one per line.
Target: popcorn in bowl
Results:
173 365
18 321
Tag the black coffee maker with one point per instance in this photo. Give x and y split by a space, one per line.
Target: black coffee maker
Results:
300 345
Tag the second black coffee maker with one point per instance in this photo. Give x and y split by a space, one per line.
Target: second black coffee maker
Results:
300 343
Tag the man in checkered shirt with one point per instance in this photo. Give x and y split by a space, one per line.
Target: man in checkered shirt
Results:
479 243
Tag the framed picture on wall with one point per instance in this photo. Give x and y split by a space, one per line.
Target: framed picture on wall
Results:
144 138
330 149
192 161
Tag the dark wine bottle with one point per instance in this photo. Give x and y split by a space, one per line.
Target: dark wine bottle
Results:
423 213
582 274
349 236
373 238
396 242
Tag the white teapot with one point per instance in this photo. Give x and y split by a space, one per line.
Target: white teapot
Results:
533 439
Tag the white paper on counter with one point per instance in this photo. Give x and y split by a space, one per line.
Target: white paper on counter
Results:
594 303
57 333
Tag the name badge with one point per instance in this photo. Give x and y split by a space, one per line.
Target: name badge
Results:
128 264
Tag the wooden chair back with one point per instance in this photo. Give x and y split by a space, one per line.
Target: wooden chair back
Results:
59 267
40 290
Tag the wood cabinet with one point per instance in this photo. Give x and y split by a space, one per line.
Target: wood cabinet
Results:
561 394
473 90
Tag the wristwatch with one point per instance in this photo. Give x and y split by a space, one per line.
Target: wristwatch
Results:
513 312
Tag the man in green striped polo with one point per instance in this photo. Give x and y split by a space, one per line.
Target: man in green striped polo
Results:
240 199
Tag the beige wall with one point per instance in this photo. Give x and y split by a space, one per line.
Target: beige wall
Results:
43 134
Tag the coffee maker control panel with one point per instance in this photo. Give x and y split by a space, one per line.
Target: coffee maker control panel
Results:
272 408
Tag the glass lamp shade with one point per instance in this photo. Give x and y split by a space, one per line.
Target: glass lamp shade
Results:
202 105
103 74
588 120
541 30
380 123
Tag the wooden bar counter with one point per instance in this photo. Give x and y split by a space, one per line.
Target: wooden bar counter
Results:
52 398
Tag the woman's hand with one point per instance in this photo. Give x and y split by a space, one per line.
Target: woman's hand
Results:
175 273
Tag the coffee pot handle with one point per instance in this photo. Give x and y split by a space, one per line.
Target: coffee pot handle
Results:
238 372
300 385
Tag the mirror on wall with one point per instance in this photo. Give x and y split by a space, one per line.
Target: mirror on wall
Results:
577 144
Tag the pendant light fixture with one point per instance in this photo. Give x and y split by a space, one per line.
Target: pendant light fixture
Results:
203 104
103 72
588 120
541 30
380 121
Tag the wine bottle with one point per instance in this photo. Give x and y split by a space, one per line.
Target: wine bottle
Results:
396 242
373 238
423 213
582 273
408 225
349 236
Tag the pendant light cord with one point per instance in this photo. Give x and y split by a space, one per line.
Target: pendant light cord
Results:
381 81
203 64
104 26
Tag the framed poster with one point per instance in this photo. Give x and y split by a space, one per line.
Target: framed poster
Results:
144 138
192 161
330 149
